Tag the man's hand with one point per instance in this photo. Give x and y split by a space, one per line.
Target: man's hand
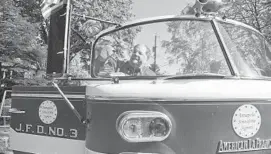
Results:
146 71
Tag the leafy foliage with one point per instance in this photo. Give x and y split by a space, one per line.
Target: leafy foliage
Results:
117 11
250 45
21 48
194 44
256 13
23 41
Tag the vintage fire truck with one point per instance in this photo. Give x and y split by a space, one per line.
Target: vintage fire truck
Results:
184 84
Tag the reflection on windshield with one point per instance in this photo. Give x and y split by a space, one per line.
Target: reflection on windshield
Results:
160 49
248 49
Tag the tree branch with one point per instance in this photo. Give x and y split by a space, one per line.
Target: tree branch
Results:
256 16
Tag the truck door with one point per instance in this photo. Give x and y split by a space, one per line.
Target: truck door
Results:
43 123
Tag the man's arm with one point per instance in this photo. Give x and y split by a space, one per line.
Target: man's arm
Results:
109 67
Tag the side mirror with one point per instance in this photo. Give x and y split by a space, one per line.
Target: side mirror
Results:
55 57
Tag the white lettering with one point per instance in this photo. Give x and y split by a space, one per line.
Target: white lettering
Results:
52 131
247 121
28 127
247 115
20 128
74 133
40 129
242 146
45 130
60 131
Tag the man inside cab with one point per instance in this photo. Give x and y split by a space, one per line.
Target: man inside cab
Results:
101 58
135 66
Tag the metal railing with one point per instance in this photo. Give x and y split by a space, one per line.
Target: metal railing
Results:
4 110
5 125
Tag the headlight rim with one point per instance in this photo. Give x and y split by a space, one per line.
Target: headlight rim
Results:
123 117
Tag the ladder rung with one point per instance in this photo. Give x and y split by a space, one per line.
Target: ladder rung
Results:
4 116
4 126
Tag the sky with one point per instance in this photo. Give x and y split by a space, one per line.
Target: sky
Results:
150 8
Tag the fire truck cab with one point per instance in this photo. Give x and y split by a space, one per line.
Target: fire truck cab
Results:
203 86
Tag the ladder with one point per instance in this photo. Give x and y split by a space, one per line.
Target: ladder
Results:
5 121
4 110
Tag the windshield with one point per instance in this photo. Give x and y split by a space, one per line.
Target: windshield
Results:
248 49
177 47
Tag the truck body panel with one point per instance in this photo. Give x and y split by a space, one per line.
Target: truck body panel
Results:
53 126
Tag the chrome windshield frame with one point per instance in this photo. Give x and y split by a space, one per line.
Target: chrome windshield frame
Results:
225 50
213 20
240 24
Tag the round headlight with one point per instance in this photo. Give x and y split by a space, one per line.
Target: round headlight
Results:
143 126
159 127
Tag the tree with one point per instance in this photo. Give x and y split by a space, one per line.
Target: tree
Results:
117 11
193 46
256 13
20 45
23 41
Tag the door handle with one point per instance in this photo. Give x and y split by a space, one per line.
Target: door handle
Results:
14 110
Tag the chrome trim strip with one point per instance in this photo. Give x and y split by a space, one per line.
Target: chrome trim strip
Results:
16 111
87 151
46 95
143 100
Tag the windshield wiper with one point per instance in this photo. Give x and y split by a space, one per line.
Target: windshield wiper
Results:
195 75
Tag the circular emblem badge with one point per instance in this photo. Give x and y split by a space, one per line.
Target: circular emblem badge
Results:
246 121
47 112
